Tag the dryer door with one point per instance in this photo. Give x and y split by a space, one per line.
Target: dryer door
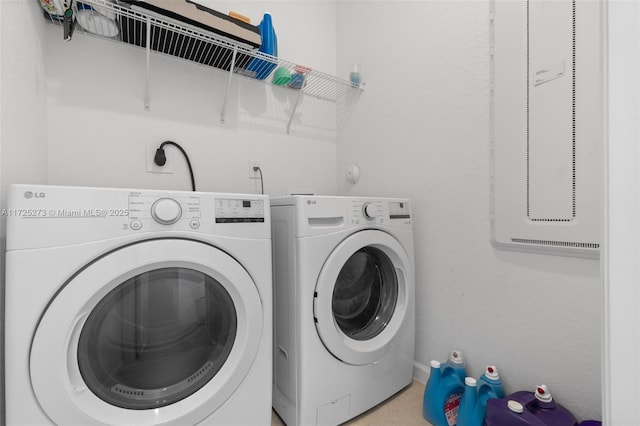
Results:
162 331
362 296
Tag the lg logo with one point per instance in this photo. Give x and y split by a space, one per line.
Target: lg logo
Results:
310 202
30 194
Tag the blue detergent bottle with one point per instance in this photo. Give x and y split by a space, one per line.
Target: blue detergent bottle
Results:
473 406
489 385
261 68
444 391
468 404
430 409
456 361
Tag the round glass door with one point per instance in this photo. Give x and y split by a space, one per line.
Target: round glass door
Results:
362 295
157 338
365 294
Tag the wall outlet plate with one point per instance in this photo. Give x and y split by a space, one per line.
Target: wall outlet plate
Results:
154 168
254 174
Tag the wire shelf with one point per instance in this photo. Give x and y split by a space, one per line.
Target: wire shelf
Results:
123 22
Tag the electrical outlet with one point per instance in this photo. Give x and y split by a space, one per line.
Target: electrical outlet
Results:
153 167
254 174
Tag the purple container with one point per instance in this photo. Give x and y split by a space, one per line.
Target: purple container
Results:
526 408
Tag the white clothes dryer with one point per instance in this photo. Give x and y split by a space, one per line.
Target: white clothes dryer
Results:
343 305
137 307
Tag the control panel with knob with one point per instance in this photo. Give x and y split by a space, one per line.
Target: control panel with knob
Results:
166 211
369 210
150 211
395 212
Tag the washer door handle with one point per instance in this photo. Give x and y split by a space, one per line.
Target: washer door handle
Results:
77 382
283 353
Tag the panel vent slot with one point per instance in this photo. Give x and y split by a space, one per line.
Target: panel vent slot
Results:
566 244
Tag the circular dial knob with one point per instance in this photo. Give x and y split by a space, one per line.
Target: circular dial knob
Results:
166 211
369 210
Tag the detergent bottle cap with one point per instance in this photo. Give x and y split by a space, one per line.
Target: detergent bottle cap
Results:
543 394
435 364
492 372
470 381
515 406
456 359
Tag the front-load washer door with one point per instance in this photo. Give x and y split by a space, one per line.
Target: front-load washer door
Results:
362 296
161 331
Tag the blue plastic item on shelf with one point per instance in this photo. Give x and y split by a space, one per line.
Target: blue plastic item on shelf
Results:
262 67
473 406
525 408
444 390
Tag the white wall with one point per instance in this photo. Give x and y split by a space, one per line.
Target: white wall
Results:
23 149
421 130
99 132
23 91
622 238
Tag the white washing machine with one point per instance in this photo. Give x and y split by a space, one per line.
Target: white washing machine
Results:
343 305
137 307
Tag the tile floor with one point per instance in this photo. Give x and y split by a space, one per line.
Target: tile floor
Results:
403 409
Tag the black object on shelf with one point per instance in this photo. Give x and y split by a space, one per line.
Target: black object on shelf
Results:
134 31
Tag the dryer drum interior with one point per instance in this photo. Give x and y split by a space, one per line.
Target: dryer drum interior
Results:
365 294
157 338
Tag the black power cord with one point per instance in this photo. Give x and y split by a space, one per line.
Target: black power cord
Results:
161 159
259 170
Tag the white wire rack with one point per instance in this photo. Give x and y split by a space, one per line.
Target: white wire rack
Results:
119 21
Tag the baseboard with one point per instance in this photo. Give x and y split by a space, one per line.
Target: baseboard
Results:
420 372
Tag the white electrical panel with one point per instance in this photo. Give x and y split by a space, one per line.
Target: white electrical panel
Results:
547 125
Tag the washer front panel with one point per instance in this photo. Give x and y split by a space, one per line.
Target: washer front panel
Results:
361 296
127 307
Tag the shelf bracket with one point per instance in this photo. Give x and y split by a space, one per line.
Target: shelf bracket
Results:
226 93
147 96
295 105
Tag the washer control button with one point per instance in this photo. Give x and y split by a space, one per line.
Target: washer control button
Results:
194 224
369 210
166 211
136 225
